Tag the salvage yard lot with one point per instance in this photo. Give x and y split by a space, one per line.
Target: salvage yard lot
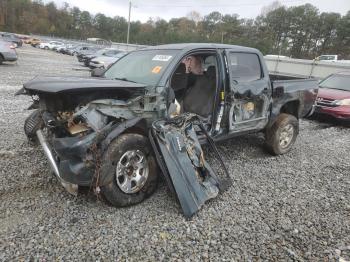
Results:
290 207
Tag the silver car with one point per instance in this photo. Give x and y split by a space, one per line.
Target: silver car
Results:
105 61
7 51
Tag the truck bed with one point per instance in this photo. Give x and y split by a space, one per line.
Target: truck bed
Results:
274 77
294 90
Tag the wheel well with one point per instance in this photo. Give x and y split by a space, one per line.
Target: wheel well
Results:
291 108
136 130
140 128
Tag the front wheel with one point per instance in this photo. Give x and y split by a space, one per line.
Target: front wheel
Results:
131 165
281 136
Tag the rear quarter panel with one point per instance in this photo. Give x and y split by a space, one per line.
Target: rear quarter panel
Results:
303 91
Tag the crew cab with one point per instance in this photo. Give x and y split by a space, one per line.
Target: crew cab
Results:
153 109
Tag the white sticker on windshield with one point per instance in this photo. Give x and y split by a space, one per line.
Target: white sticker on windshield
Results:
163 58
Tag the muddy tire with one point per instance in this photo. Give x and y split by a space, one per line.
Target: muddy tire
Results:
281 136
33 123
130 162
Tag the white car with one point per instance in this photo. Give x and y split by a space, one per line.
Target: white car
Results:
331 58
50 45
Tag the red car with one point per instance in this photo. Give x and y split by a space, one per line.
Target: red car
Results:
334 96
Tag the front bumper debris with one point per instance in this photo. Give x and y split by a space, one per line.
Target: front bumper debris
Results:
71 188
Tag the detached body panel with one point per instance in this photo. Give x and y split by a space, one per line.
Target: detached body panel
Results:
187 171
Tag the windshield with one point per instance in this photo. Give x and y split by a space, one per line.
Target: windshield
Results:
341 82
144 67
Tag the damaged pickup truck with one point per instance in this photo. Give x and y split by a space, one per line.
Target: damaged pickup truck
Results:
150 112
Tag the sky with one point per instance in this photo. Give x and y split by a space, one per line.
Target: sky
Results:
142 10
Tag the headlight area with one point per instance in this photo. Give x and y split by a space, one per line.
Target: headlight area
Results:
343 102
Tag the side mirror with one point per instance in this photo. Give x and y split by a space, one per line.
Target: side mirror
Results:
98 72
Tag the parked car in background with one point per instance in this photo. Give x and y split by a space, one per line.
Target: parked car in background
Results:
7 52
331 58
12 38
33 41
63 49
334 96
105 61
88 51
50 45
74 50
68 48
103 52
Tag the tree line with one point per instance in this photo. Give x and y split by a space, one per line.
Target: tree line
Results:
299 31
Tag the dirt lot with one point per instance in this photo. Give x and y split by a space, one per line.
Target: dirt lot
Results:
291 207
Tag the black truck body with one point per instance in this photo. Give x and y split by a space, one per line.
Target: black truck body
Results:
82 123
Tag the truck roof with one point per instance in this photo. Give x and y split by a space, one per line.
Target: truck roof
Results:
189 46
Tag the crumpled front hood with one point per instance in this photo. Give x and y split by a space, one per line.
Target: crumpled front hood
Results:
53 85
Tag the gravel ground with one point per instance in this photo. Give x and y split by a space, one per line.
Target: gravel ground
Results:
292 208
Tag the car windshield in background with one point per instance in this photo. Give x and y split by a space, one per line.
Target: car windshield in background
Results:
144 67
341 82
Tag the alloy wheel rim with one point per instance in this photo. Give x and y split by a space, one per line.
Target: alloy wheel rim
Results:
286 135
132 171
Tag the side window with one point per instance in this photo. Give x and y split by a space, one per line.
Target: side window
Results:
244 67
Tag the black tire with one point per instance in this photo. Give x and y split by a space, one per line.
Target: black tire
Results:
1 59
116 150
276 142
33 123
46 48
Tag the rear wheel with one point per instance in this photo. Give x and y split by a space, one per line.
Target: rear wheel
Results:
33 123
1 59
130 162
281 136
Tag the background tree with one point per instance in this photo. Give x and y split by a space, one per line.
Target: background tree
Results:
297 31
